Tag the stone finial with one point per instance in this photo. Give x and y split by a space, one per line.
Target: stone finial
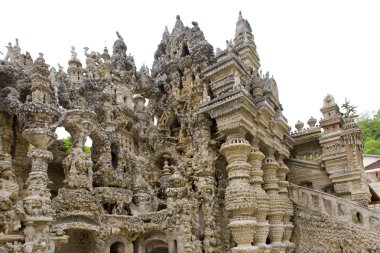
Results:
312 122
166 31
73 53
328 100
299 125
166 169
242 26
178 27
194 23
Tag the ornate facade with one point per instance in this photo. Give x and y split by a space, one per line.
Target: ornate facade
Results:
191 156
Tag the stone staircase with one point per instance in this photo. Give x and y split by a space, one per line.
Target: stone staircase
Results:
337 208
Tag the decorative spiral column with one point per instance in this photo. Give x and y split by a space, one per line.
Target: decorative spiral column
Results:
282 171
276 211
240 198
255 159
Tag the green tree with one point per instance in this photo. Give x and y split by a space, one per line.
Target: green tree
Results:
67 143
370 125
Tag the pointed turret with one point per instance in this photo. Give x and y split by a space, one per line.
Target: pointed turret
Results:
331 121
242 26
165 35
41 90
244 43
75 70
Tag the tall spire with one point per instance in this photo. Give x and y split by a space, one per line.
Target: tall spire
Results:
242 26
165 35
244 43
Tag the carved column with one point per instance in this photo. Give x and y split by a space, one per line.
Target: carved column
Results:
282 171
276 213
240 198
38 116
37 202
255 159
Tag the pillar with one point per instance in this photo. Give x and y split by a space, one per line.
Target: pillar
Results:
255 159
276 213
282 171
37 203
240 198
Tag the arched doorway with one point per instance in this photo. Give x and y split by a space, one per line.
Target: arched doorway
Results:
117 247
156 246
153 243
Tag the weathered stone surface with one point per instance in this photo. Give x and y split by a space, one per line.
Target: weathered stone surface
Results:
191 156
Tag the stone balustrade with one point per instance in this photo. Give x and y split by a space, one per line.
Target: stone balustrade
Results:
338 208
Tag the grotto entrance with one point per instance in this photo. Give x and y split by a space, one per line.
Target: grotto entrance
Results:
80 241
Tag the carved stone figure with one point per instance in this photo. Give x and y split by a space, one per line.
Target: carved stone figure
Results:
9 55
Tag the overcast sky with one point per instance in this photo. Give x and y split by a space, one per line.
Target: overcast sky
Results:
311 47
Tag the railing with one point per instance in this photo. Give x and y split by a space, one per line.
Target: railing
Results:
338 208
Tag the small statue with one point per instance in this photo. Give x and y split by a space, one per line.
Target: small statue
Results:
119 36
73 53
230 45
28 59
206 97
245 38
52 74
9 55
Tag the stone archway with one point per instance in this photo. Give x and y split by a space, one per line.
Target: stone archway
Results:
156 246
119 244
153 243
117 247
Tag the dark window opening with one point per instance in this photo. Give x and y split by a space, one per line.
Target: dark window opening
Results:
117 247
114 159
